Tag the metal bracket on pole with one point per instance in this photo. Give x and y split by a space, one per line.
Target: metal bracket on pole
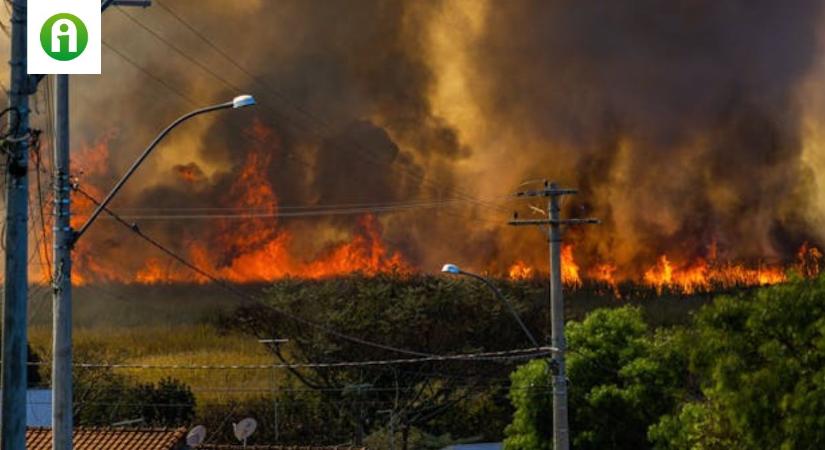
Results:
561 431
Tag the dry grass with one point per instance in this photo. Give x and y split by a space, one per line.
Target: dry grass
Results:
171 345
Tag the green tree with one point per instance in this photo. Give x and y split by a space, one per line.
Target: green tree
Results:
169 403
622 378
433 315
103 397
760 361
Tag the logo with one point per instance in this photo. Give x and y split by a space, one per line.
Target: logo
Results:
64 37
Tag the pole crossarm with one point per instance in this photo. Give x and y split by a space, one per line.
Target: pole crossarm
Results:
561 430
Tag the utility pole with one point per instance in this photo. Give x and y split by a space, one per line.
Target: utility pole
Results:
561 431
15 294
62 298
64 238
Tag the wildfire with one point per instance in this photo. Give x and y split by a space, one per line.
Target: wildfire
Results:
569 268
240 250
521 271
665 275
258 249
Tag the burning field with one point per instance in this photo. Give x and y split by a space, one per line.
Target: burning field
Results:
391 135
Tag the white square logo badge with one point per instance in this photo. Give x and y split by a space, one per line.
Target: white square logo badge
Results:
63 36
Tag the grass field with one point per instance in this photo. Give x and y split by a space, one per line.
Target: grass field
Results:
169 325
170 345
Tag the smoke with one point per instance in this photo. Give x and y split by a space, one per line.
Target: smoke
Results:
680 121
686 124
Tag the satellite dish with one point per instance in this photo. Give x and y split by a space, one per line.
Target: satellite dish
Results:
196 436
244 428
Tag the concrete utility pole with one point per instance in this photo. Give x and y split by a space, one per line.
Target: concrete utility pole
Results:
561 431
15 294
62 410
62 298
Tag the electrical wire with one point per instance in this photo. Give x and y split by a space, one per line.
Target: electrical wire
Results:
192 102
280 214
512 355
318 121
242 295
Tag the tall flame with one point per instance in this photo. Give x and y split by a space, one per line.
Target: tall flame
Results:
245 250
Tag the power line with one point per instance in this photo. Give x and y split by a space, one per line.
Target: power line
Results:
314 213
517 354
149 74
318 206
318 121
192 102
244 296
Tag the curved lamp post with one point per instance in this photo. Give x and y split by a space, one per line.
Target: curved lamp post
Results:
65 238
453 269
238 102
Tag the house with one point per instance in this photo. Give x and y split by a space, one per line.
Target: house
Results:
112 439
40 438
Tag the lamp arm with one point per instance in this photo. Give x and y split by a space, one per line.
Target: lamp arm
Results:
501 297
105 202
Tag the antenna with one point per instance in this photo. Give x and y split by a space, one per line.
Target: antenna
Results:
244 429
196 436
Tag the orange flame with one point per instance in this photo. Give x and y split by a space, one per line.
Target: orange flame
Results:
569 268
252 249
520 271
257 249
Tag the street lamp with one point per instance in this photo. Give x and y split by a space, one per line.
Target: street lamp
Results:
453 269
238 102
64 240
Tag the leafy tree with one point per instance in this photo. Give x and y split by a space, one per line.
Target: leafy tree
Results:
169 403
760 361
33 377
622 379
532 396
103 397
432 315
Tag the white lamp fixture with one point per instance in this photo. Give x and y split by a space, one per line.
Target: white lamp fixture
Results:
451 269
243 101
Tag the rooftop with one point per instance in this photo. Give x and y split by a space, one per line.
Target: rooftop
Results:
112 439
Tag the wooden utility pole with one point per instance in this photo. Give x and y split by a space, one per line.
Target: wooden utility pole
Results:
561 431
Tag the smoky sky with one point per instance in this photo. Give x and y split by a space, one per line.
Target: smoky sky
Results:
678 120
686 111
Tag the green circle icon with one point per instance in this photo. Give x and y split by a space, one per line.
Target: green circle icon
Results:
64 37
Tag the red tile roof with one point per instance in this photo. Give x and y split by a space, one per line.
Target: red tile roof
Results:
112 439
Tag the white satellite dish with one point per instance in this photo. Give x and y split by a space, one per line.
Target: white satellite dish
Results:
196 436
244 429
